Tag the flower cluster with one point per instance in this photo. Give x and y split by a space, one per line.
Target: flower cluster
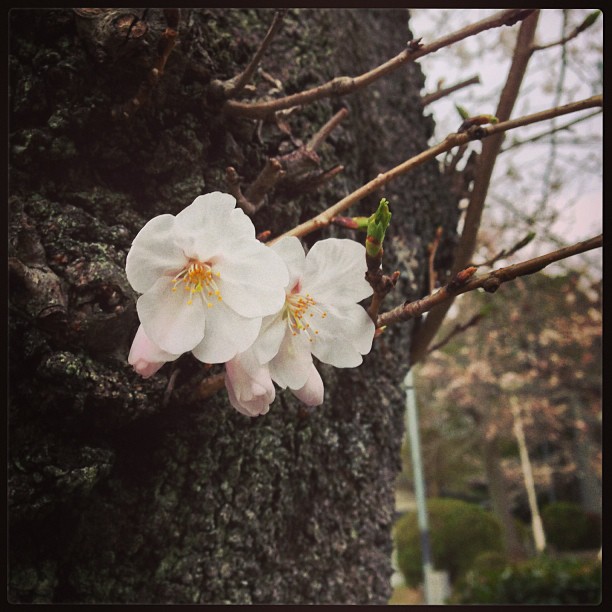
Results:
210 287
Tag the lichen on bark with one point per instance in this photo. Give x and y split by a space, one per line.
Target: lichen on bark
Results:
119 491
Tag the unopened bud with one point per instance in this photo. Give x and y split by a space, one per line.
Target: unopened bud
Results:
377 226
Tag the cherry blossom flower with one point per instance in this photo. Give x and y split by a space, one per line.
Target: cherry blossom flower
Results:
321 317
206 283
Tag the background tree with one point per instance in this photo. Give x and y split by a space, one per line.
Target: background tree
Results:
550 356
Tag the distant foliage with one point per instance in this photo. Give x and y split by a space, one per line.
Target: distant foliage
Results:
459 532
569 527
538 581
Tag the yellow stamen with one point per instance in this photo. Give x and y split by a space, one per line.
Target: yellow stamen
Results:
299 308
198 277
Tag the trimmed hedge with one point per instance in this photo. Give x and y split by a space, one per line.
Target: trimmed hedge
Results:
459 532
542 580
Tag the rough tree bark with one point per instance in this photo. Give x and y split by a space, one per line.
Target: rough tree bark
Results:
124 490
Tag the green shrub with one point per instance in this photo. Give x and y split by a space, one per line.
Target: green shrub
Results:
489 560
538 581
459 532
569 527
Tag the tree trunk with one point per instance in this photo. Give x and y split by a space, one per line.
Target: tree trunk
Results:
498 490
131 490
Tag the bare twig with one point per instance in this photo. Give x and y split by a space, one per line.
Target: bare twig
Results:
255 195
209 386
490 282
433 247
382 284
458 329
326 130
235 85
575 32
507 252
565 126
441 93
452 140
341 86
165 46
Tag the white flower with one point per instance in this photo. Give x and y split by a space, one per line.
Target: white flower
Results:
321 317
206 280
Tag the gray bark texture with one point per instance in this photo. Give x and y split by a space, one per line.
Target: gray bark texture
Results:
129 490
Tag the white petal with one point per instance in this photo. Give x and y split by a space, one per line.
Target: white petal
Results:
210 225
227 333
210 209
292 253
335 272
253 279
345 334
143 348
313 392
168 320
154 253
273 329
249 386
291 366
146 357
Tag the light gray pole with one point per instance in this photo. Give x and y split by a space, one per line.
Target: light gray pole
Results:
412 428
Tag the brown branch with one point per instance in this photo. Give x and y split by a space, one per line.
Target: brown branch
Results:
490 282
507 252
326 130
255 195
382 284
575 32
209 386
164 48
566 126
433 247
451 141
344 85
441 93
458 329
235 85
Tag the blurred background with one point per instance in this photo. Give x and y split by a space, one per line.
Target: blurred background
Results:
509 396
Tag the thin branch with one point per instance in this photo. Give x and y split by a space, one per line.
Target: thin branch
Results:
490 282
209 386
341 86
235 85
507 252
575 32
458 329
165 46
451 141
326 130
566 126
433 247
255 195
441 93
